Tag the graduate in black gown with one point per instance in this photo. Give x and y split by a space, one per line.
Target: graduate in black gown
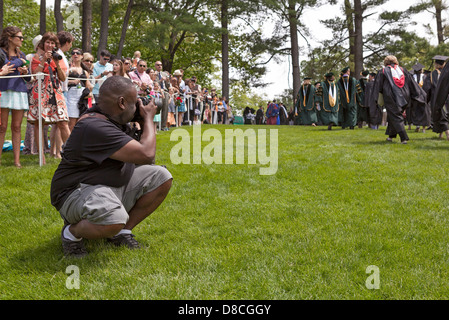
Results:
375 111
362 106
440 117
419 114
442 90
394 83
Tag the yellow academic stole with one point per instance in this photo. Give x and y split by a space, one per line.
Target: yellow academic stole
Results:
332 94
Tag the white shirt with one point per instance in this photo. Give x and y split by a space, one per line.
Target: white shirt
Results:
65 84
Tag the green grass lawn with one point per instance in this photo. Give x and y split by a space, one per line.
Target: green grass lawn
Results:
341 201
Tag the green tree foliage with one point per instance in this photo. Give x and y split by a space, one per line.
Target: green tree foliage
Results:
28 22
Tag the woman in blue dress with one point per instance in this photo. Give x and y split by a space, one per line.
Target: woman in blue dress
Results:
14 92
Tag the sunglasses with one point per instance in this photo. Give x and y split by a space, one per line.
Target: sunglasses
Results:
106 59
127 63
76 52
20 37
90 61
142 66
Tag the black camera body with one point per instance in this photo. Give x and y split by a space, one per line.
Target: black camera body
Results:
145 100
55 54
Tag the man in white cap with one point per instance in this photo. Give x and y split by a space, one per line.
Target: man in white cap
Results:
35 41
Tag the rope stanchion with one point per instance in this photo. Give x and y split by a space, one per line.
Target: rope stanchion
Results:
40 77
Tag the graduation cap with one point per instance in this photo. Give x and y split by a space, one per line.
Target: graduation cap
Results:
440 59
373 74
418 67
307 78
364 73
345 70
328 75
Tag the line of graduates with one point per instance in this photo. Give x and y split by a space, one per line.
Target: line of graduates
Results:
347 102
335 103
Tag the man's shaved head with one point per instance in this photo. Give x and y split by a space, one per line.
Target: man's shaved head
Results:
117 97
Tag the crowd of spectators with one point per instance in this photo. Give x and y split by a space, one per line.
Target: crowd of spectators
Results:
71 85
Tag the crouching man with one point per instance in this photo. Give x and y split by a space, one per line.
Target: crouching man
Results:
107 182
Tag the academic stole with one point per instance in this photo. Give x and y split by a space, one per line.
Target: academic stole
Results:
332 94
346 84
304 92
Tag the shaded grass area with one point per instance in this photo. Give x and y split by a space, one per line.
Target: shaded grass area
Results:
340 201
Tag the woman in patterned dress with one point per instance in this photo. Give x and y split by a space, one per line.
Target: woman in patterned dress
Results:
54 109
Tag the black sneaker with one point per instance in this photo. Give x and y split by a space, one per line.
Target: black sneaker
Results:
74 249
125 240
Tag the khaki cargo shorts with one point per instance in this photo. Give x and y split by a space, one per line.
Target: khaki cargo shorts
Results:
105 205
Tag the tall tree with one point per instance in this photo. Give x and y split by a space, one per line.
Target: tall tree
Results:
58 16
291 11
125 27
43 17
436 8
171 24
294 42
104 28
225 48
87 26
1 16
230 13
358 37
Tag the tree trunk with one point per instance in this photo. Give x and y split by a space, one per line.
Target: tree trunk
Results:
225 49
358 38
102 44
294 47
1 16
43 17
87 26
58 16
438 15
124 28
350 25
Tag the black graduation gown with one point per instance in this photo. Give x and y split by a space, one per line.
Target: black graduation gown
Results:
442 90
375 112
440 116
420 113
396 101
259 116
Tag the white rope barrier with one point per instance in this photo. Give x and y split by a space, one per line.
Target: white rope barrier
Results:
40 77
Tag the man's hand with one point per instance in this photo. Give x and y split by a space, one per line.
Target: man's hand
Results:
149 111
143 151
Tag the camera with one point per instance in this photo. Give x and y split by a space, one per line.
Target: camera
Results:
146 100
137 117
55 54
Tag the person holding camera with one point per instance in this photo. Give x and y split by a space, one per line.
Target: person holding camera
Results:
107 184
14 95
54 109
